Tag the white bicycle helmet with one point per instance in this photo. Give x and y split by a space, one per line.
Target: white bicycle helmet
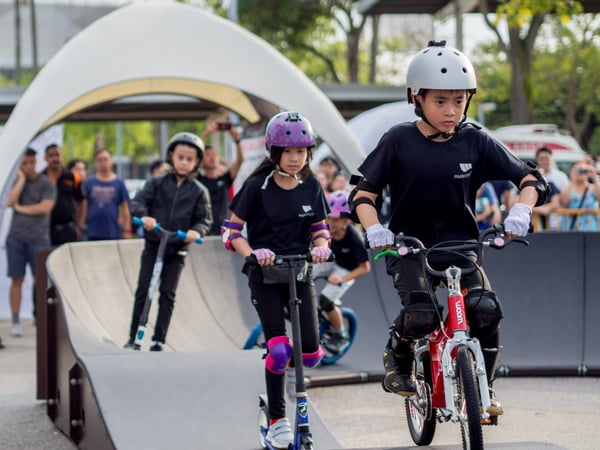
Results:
440 67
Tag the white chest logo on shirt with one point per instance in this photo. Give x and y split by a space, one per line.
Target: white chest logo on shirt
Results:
306 211
466 171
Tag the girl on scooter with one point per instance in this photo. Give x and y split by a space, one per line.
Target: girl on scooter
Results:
284 209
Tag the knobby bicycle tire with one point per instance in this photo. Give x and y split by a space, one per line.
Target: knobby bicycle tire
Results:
467 401
421 418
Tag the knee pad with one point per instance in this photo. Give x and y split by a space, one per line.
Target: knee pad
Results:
327 305
420 316
312 359
280 353
483 310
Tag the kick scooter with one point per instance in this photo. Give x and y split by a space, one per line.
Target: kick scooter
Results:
302 435
165 236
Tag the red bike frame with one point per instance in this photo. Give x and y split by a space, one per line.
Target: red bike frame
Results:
453 333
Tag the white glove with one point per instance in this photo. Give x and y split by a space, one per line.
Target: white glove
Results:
518 220
378 236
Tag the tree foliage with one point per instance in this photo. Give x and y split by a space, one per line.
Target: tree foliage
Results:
307 32
565 77
524 19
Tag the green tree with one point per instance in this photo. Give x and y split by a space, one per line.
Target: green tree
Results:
566 86
524 19
493 85
306 32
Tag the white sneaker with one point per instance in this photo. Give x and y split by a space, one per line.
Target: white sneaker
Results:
290 383
280 434
16 330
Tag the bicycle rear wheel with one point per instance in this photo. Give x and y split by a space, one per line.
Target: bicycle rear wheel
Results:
420 415
467 401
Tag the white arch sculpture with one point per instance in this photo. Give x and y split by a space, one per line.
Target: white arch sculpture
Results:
155 47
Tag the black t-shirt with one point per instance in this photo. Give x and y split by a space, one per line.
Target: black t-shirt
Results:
68 194
349 251
433 185
276 218
219 198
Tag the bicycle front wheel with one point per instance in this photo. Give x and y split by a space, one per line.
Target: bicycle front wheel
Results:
467 401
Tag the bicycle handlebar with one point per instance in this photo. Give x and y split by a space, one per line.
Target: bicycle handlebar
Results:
180 235
407 245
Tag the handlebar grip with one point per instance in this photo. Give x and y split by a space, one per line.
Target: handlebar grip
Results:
389 251
181 235
137 221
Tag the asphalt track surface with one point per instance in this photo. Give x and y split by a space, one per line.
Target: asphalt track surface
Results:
204 389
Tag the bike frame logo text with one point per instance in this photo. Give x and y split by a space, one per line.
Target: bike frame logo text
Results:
459 313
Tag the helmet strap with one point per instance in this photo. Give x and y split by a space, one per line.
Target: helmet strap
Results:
285 174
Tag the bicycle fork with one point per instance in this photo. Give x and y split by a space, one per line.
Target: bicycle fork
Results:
455 328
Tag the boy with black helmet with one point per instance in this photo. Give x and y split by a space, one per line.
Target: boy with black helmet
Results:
176 201
433 168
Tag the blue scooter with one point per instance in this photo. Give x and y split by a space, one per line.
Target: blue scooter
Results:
302 436
165 236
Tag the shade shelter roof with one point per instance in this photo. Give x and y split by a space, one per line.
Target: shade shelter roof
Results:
169 48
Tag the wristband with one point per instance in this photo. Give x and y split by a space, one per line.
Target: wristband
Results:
235 226
322 235
319 227
231 237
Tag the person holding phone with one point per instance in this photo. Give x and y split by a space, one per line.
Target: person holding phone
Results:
582 192
216 176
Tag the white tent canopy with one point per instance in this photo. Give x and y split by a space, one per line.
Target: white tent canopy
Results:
169 48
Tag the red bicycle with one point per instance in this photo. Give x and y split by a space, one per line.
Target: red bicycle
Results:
452 384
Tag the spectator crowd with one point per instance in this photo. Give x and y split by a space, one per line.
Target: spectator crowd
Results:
64 203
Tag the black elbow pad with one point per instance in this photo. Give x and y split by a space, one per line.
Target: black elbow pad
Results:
540 185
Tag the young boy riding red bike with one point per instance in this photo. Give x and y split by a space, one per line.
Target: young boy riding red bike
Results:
433 168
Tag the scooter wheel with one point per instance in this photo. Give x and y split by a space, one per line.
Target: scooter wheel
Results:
263 426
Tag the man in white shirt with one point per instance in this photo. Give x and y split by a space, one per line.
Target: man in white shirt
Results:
544 160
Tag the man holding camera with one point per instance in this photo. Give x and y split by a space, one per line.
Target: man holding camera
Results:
216 176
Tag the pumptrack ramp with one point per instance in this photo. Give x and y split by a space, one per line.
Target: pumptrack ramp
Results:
204 386
202 392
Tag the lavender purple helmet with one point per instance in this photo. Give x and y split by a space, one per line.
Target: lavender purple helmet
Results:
338 204
289 129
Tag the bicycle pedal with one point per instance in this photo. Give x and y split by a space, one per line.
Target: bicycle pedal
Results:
490 421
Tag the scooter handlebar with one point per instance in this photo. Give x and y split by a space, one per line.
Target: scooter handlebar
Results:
179 234
279 259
